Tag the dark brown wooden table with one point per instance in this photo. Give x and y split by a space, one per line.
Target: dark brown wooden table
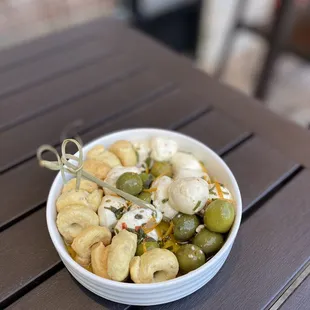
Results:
104 76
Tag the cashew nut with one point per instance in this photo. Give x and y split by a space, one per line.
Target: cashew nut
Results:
81 198
83 242
99 153
125 151
97 168
73 219
122 250
85 185
156 265
99 259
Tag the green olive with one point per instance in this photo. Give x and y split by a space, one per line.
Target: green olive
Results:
210 242
219 216
161 168
130 183
147 179
147 197
146 246
184 226
190 257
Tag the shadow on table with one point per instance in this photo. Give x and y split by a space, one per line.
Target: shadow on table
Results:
99 300
193 301
198 299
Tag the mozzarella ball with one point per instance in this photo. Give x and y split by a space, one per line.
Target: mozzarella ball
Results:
163 148
143 148
188 195
115 173
137 217
161 197
109 204
214 193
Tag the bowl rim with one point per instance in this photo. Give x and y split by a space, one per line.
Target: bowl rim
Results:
64 255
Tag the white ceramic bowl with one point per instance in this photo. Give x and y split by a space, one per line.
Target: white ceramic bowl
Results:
155 293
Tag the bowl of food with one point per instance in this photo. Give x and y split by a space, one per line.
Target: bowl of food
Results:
154 253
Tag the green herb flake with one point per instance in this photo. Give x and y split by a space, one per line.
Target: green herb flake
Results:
138 217
165 200
197 205
211 190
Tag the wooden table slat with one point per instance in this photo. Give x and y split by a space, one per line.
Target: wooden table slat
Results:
73 297
270 248
30 251
55 42
217 130
258 168
31 74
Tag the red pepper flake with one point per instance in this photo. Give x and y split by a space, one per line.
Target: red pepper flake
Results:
124 226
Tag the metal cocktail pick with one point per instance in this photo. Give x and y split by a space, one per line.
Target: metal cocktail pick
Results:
64 163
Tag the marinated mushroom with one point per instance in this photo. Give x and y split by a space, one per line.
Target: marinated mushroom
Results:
186 165
96 168
125 151
163 149
73 219
83 242
188 195
122 250
100 154
99 259
156 265
85 185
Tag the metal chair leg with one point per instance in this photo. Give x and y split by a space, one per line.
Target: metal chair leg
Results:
281 30
229 40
